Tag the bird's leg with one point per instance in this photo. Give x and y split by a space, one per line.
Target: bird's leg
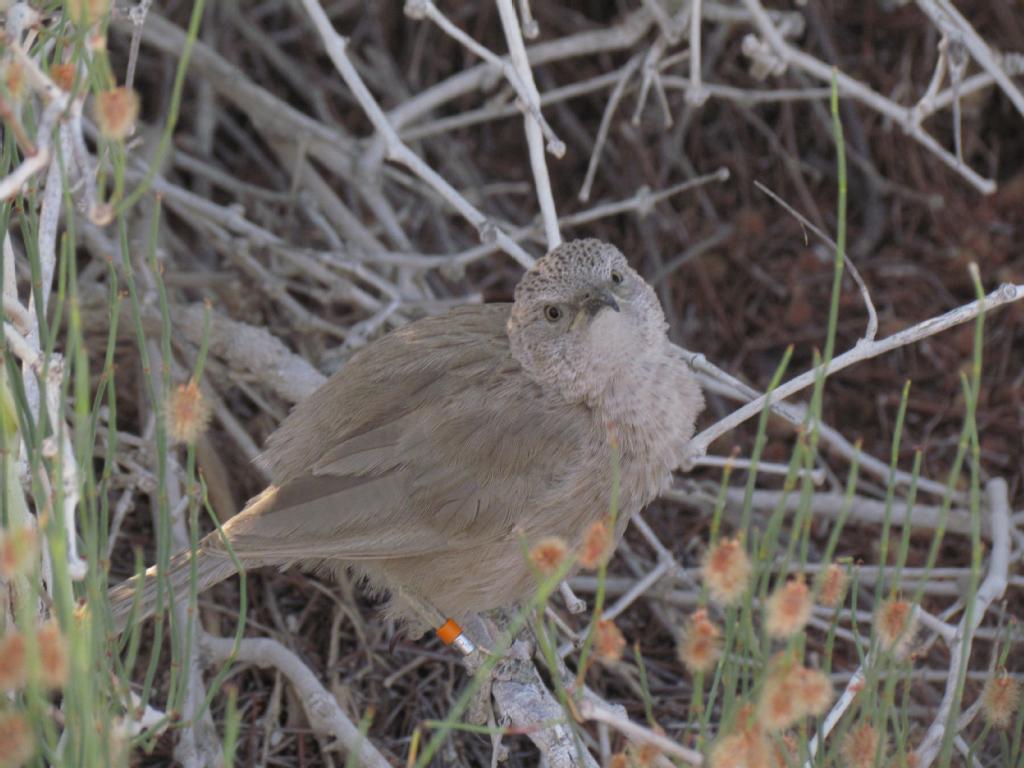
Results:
451 634
447 629
474 643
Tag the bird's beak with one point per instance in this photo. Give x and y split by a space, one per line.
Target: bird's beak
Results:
597 300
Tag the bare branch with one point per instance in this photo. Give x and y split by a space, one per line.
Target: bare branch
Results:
325 716
396 149
992 588
862 351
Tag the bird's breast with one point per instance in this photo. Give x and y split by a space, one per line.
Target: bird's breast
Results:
650 411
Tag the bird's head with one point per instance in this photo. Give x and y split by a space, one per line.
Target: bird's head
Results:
581 315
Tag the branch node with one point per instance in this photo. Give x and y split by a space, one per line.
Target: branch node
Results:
488 232
416 9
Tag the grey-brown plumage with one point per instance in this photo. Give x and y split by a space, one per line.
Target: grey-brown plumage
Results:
427 460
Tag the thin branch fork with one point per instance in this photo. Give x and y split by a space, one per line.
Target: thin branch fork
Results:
525 90
591 711
56 103
396 149
714 379
533 123
848 86
952 23
864 350
846 699
992 588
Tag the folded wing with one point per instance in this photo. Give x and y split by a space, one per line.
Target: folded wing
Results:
431 440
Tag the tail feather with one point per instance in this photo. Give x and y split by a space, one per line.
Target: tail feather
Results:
212 567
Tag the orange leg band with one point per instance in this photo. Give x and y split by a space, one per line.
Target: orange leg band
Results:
451 634
448 632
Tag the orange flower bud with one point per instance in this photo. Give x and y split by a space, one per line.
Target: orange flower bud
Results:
548 554
1000 700
116 112
188 413
608 641
596 546
726 571
700 646
788 609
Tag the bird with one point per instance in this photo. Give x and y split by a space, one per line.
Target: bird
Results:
443 450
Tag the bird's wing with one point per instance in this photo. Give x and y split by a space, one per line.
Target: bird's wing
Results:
430 440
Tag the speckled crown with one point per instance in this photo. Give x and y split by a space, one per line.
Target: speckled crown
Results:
563 263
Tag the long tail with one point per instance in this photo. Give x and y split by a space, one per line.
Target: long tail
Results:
212 566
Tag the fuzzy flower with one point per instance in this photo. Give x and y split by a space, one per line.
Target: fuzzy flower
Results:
788 609
12 662
53 655
17 742
792 692
608 641
619 760
188 413
596 546
19 550
831 586
1000 699
645 755
63 75
700 646
548 554
116 112
87 12
779 707
896 625
861 745
744 748
815 691
726 571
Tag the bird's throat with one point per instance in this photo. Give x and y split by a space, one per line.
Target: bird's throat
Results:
649 410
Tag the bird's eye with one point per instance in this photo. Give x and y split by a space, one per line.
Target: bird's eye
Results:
552 313
617 278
